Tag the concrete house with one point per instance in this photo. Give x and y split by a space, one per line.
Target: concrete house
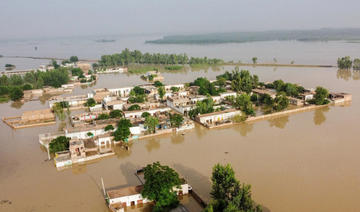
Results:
217 117
122 92
119 199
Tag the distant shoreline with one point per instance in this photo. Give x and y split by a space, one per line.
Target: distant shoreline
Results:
319 35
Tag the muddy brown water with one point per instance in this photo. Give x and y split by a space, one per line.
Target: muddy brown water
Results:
302 162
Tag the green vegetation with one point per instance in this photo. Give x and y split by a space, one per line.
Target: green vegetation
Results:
160 182
254 60
240 80
174 67
90 134
320 97
116 114
176 120
16 93
228 194
145 115
90 102
207 88
103 116
74 59
32 80
356 64
9 66
122 132
243 103
139 69
280 102
161 91
108 127
202 107
272 35
58 109
127 57
77 72
344 63
239 118
134 107
137 95
175 89
288 88
158 84
59 144
151 122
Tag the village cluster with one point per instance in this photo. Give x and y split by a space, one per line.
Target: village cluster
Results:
120 115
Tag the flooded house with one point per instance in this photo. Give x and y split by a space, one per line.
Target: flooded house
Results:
119 199
31 118
215 118
270 92
340 97
122 92
74 101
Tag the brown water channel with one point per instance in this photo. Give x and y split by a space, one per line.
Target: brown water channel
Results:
303 162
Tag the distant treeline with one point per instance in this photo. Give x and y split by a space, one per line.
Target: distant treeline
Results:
127 57
241 37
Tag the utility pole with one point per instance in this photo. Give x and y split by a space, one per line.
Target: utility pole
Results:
102 183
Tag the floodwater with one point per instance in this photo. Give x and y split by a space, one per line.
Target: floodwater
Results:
302 162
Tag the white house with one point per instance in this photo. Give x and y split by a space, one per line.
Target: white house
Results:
137 114
131 196
221 116
81 132
122 92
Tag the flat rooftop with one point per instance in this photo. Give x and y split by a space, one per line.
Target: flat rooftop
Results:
122 192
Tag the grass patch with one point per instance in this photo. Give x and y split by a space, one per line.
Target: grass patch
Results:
174 67
4 99
141 69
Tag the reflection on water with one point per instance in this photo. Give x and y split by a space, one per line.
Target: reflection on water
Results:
348 74
152 144
279 122
17 104
319 115
344 74
177 138
244 128
356 75
120 150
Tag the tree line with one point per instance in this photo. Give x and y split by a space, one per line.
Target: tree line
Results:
14 85
127 57
347 63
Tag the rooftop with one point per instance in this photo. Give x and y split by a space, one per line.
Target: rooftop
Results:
218 113
122 192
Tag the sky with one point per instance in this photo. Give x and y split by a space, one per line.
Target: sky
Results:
59 18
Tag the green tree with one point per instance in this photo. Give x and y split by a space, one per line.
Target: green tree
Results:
77 72
122 132
108 127
74 59
151 122
16 93
134 107
281 102
160 182
116 114
145 115
158 84
243 102
175 89
103 116
176 120
321 95
90 134
228 194
356 64
54 64
344 62
254 60
27 87
90 102
161 92
59 144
